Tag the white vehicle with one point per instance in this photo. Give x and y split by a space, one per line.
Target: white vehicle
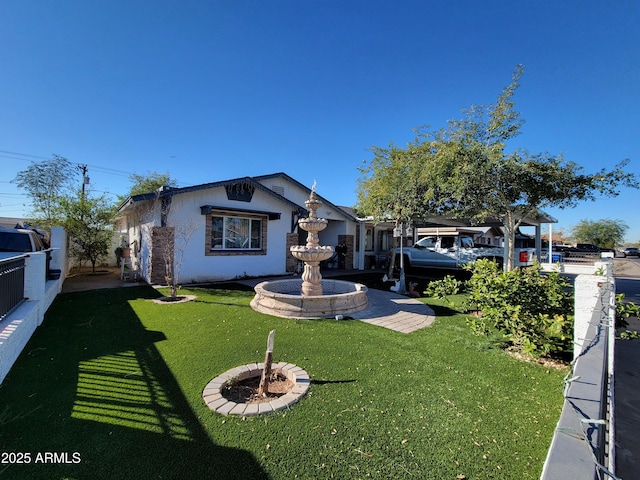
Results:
17 241
453 252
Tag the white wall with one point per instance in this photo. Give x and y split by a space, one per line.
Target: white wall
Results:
198 267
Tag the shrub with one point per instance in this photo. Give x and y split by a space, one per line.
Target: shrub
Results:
624 310
528 308
449 285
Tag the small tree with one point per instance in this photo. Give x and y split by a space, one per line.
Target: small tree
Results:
47 182
173 255
89 222
603 233
389 188
150 182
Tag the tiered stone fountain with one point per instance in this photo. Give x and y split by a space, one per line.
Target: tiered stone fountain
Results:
312 253
311 296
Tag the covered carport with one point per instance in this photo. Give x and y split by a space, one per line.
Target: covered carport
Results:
534 222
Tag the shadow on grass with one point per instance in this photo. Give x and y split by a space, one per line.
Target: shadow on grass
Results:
92 388
442 310
227 304
227 286
329 382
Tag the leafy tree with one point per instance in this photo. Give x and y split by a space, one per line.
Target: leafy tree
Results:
89 222
148 183
47 182
605 233
467 171
388 189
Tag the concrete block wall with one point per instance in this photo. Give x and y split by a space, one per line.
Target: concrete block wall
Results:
586 426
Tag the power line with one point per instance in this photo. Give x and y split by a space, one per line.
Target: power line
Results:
110 171
2 205
23 155
12 155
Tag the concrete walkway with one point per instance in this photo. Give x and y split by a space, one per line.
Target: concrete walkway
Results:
395 312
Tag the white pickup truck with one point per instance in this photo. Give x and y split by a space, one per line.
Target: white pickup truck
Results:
452 252
15 242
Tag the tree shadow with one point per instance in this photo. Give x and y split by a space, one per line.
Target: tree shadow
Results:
443 310
99 395
329 382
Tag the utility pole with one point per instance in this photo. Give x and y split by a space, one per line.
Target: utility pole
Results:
85 179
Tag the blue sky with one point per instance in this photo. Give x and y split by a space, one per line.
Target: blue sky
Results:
213 90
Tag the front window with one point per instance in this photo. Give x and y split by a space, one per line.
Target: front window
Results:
236 233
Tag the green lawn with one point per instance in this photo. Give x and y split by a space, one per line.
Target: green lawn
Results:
117 380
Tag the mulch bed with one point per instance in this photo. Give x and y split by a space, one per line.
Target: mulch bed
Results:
246 391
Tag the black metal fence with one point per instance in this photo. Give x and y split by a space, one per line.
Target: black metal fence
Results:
573 258
11 284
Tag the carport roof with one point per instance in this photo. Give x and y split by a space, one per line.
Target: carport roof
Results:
489 222
437 221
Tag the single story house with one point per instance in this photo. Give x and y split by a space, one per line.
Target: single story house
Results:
229 229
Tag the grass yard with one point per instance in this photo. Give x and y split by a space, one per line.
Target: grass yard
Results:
111 384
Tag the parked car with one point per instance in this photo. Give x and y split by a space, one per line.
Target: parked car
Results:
631 252
14 241
583 248
453 252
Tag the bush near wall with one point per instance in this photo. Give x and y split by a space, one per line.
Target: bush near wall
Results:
530 309
524 308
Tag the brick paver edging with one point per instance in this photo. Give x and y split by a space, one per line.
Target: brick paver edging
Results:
212 393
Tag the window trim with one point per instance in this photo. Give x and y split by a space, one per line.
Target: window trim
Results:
210 251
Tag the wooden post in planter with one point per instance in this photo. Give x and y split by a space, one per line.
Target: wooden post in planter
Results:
263 389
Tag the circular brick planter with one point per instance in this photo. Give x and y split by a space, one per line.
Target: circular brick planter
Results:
212 394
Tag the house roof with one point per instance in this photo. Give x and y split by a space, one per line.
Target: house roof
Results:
171 191
342 210
11 222
253 181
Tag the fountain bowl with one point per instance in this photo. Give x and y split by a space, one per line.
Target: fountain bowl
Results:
311 254
282 298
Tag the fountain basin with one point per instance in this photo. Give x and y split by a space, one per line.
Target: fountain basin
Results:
281 298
